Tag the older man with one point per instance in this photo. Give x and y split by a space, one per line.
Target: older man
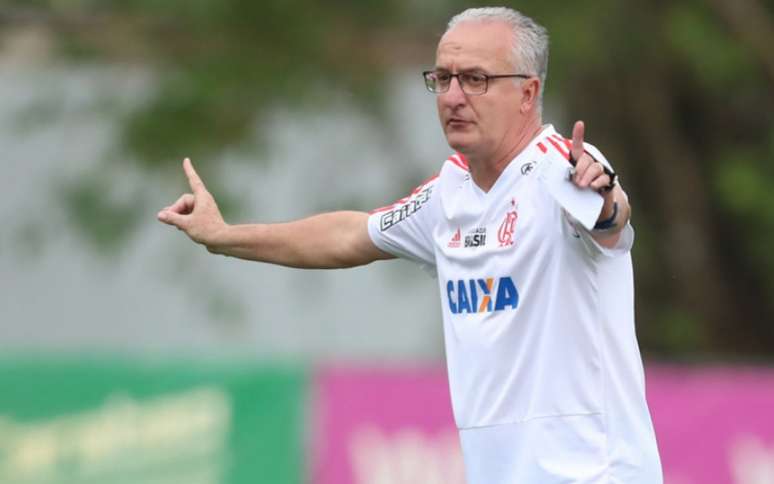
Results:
545 373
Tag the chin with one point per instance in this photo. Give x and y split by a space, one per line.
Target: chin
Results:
458 141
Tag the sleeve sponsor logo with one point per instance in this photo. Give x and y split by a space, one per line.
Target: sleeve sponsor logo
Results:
405 210
482 295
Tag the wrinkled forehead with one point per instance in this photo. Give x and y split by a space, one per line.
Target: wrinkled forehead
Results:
486 45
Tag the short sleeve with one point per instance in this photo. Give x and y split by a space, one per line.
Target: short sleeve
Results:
624 245
405 228
626 241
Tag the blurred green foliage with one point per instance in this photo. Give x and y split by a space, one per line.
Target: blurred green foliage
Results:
220 64
104 221
678 95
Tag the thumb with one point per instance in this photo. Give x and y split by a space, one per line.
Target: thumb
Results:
577 140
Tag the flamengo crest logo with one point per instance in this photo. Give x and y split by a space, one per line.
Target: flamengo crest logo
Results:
505 232
482 295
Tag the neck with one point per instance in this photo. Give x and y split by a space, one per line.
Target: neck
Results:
486 170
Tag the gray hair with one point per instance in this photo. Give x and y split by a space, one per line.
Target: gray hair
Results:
530 39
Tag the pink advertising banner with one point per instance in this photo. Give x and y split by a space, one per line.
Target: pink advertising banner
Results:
714 425
384 426
394 426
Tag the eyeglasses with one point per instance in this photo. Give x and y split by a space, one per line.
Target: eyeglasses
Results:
473 83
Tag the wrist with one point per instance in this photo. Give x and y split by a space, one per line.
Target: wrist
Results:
609 200
608 222
220 239
615 212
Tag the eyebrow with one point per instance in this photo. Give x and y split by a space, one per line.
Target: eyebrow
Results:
469 69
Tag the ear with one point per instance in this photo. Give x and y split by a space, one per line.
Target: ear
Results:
530 89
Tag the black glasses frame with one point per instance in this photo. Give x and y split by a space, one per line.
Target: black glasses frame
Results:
487 77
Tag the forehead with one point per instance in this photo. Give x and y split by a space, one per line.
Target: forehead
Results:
482 44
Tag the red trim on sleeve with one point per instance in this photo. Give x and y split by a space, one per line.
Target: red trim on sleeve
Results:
457 159
406 198
559 148
564 140
542 147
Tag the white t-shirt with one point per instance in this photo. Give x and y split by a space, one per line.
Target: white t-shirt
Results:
545 373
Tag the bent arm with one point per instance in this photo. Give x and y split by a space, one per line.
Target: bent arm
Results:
589 173
326 241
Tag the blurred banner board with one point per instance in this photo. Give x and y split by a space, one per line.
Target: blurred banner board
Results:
714 426
384 427
103 421
116 421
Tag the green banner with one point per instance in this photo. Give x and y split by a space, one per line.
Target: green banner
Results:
104 421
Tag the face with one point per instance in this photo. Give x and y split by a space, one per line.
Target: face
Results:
488 124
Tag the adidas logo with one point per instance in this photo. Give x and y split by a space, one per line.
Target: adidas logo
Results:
456 239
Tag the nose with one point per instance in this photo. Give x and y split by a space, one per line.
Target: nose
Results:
454 96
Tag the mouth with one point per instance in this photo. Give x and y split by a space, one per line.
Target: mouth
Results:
457 123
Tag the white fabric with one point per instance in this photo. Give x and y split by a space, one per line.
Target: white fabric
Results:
544 369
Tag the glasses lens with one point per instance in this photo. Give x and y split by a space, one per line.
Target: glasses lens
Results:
431 81
470 82
473 83
437 81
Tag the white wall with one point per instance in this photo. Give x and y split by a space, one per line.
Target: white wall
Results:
163 294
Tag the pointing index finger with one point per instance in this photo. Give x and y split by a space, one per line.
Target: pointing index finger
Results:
197 185
577 140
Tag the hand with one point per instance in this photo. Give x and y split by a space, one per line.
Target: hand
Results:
588 171
195 213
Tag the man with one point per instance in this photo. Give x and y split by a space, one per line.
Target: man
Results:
544 369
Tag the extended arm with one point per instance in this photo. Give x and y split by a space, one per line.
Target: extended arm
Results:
325 241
